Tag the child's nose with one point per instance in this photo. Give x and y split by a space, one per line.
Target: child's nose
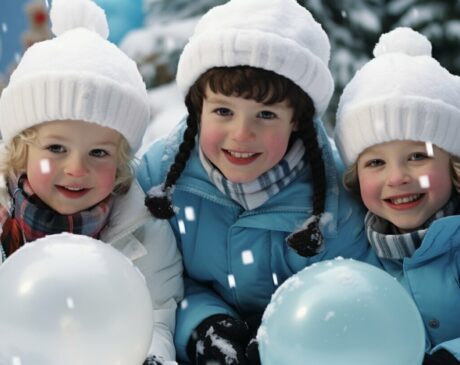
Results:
398 175
243 131
76 166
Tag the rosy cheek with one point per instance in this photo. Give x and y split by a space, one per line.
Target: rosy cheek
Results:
106 178
209 139
40 176
438 183
369 193
276 146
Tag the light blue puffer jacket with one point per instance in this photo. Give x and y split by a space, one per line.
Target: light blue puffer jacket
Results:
432 278
235 259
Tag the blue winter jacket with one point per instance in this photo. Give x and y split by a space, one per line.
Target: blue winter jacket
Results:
432 277
235 259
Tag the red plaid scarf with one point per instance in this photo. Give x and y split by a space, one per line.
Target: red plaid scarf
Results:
32 219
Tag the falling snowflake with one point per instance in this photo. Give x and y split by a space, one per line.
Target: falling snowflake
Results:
429 149
424 181
231 281
247 257
184 304
45 166
181 226
275 279
189 213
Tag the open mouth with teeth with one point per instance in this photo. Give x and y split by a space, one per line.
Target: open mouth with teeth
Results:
72 191
241 158
407 201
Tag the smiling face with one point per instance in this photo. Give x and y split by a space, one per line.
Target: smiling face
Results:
404 182
72 165
242 137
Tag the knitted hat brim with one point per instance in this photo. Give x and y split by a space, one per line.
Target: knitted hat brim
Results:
65 95
269 51
397 117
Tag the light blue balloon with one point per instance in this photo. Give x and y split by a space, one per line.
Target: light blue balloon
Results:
341 312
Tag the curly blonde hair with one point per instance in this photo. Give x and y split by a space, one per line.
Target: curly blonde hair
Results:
15 160
351 180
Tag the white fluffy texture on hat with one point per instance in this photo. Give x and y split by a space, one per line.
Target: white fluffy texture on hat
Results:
276 35
70 14
397 96
404 40
77 75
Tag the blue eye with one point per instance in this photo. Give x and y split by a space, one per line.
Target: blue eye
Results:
224 112
265 114
374 163
98 152
417 156
56 148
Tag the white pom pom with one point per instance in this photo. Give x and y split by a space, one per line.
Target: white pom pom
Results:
69 14
403 40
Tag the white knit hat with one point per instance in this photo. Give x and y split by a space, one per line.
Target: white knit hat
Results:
401 94
78 75
275 35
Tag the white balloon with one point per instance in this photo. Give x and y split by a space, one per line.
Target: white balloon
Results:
72 300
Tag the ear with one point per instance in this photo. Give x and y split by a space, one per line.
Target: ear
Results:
296 125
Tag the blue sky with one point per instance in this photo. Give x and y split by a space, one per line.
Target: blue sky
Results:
13 22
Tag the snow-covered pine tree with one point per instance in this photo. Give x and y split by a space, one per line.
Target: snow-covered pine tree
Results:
438 20
166 10
353 26
157 47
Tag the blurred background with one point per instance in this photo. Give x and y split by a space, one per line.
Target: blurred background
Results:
153 33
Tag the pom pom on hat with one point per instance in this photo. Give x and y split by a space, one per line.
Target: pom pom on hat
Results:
403 40
401 94
78 75
70 14
275 35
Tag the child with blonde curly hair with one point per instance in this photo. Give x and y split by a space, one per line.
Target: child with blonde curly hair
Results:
71 118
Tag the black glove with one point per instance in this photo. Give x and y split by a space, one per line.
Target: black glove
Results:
252 352
153 360
219 339
440 357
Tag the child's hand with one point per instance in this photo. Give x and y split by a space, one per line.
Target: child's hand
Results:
219 339
440 357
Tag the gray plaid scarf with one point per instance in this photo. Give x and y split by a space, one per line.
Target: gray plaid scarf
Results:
253 194
388 243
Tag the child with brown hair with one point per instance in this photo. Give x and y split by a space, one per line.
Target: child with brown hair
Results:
249 181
